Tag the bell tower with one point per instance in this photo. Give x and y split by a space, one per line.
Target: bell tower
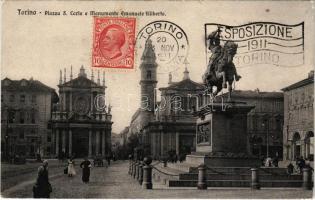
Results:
148 80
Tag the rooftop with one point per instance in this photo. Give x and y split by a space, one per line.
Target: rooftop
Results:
25 85
254 94
307 81
185 84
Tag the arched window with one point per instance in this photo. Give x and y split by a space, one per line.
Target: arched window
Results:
296 146
309 145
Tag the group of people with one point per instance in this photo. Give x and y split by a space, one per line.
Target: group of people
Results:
270 162
42 187
85 166
300 164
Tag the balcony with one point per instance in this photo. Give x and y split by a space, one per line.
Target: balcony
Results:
99 116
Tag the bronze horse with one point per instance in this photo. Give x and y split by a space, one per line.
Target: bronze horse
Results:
222 69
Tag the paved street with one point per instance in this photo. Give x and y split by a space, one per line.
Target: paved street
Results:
114 182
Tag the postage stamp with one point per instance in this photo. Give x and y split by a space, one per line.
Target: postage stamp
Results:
263 43
170 43
113 42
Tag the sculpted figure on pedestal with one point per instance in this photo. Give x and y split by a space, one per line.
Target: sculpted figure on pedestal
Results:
221 68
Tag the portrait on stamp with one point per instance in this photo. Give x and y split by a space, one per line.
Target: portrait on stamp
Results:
113 43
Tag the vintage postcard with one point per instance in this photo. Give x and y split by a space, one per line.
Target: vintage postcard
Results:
157 99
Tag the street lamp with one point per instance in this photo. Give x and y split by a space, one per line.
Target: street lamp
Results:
266 125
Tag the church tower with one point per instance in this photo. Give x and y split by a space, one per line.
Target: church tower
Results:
148 80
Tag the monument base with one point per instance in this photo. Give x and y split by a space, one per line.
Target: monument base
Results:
222 138
222 161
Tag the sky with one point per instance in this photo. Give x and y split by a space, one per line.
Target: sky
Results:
39 46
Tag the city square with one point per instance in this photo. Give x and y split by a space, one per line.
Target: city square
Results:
114 182
146 103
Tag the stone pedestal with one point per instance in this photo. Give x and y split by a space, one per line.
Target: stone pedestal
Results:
221 136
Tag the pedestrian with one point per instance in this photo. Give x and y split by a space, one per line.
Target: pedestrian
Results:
86 165
301 164
290 168
42 187
275 161
268 162
108 159
71 169
308 164
262 159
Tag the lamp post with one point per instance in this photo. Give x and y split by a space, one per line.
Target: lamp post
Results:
266 125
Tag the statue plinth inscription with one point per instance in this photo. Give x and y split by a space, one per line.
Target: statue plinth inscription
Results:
222 136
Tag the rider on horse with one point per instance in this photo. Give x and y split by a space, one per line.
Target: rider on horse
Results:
221 60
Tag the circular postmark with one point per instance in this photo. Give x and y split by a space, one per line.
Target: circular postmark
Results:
170 43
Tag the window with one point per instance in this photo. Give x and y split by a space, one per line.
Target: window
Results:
12 98
48 138
11 116
6 82
1 97
279 122
22 98
33 98
48 150
21 135
149 75
23 83
22 116
255 122
33 117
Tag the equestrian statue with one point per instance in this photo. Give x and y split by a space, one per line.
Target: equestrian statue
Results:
221 68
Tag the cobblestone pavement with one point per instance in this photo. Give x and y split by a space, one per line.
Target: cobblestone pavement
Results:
12 175
114 182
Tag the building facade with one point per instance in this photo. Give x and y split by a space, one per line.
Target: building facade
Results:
298 133
25 112
264 122
81 123
168 125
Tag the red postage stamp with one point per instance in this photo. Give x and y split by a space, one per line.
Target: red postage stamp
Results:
113 42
